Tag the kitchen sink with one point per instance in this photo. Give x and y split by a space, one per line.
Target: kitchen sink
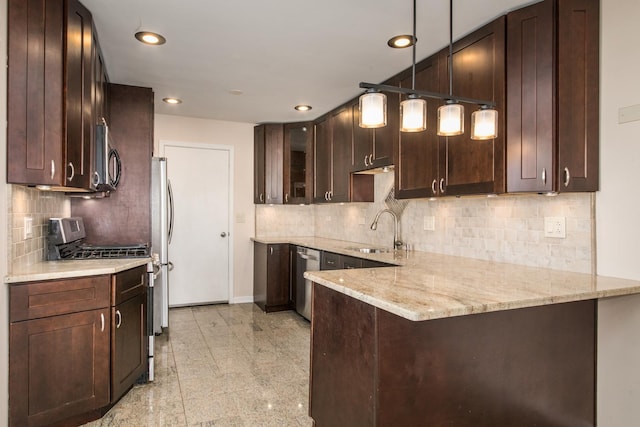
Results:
370 250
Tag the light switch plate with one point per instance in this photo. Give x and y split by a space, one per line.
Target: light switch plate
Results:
629 114
429 223
555 227
28 227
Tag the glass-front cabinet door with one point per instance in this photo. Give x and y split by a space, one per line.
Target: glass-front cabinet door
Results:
298 163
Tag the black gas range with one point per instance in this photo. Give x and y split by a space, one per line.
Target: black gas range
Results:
65 241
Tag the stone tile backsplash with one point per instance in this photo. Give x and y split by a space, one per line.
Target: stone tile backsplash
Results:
39 205
508 228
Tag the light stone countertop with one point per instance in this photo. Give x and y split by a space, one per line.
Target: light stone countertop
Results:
48 270
426 286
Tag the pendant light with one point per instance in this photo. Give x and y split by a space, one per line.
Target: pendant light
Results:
373 109
484 123
451 114
413 110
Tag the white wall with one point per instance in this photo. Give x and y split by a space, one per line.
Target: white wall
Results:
618 215
4 229
240 136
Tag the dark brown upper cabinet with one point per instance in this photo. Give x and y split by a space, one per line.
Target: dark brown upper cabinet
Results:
553 104
51 93
283 163
332 148
268 163
416 171
374 148
429 165
470 166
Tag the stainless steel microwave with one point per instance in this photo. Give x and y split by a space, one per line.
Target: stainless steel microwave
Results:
108 166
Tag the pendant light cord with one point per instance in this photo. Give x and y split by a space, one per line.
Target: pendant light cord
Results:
413 69
450 47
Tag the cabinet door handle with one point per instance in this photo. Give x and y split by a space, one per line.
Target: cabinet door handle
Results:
370 159
442 185
286 197
434 186
101 322
330 195
326 196
567 177
544 176
119 319
261 197
366 160
73 172
270 250
53 168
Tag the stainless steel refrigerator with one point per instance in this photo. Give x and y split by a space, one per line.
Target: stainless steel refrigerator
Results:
161 230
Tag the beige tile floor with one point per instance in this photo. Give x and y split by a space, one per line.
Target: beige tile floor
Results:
223 365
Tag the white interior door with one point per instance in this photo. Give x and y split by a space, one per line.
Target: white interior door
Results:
199 248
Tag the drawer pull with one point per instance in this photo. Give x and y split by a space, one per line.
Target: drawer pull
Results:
101 322
119 317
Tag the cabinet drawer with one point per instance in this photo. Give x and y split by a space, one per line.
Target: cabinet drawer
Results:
34 300
128 284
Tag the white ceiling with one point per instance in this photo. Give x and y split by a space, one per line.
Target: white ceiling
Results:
279 53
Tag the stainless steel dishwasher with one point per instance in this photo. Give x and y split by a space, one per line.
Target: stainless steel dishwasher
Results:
306 260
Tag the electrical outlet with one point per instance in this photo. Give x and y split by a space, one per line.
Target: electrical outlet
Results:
555 227
28 227
429 223
361 220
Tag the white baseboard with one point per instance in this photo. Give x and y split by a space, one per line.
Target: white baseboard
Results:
241 300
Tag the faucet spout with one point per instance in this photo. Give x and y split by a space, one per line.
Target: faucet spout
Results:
397 243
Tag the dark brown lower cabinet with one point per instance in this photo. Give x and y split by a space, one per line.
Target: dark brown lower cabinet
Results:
59 364
525 367
75 346
129 344
271 276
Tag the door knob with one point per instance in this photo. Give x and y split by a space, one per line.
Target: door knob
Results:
223 234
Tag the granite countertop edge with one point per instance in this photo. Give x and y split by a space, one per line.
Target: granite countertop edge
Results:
425 286
67 269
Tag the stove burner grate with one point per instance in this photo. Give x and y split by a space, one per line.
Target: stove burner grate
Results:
102 252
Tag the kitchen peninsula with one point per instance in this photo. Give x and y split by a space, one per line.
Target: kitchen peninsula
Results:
444 340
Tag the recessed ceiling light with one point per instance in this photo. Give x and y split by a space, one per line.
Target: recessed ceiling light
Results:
172 100
147 37
402 41
302 107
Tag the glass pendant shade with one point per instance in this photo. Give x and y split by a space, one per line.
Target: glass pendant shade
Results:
484 124
373 110
451 119
413 115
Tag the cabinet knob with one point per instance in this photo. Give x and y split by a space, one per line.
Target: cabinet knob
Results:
223 234
567 177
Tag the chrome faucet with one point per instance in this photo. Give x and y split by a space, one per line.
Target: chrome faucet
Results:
397 244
